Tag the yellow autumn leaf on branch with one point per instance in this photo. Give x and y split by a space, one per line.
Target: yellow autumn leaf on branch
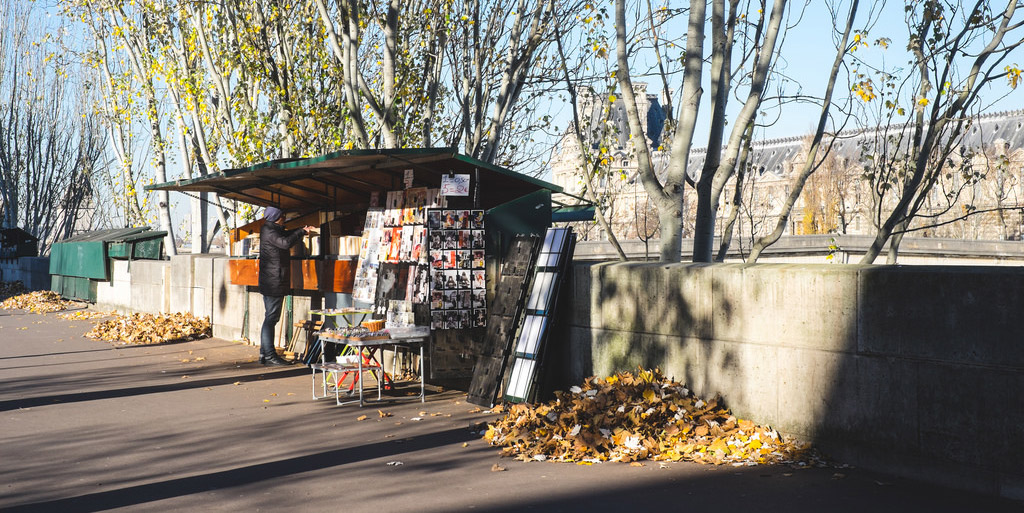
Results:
1013 75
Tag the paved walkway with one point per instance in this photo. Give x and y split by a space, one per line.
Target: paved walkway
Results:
199 426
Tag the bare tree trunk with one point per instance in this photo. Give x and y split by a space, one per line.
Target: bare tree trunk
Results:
710 187
894 244
668 198
737 197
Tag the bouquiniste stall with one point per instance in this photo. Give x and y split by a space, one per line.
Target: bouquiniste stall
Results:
416 235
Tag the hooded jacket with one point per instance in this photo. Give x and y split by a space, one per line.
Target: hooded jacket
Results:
275 259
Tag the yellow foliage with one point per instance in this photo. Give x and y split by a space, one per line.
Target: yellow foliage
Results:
1013 75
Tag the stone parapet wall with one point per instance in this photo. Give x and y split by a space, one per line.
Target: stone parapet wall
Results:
917 371
33 272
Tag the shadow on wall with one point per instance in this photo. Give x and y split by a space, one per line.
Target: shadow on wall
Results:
902 370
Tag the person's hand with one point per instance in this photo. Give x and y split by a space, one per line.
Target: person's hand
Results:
308 228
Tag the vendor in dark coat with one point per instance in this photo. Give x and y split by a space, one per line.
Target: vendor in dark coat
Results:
275 274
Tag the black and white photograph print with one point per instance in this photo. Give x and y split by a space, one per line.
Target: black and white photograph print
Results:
434 219
464 280
438 283
436 240
451 239
437 320
479 318
464 260
451 280
479 298
451 318
464 299
465 319
451 298
479 239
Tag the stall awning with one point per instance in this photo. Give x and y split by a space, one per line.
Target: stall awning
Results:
347 178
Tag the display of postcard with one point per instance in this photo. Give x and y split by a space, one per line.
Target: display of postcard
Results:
434 219
464 259
451 280
457 263
437 281
365 285
437 320
374 199
436 259
449 220
451 239
465 299
393 208
464 279
400 313
420 292
452 320
419 244
395 255
410 286
416 200
405 250
434 198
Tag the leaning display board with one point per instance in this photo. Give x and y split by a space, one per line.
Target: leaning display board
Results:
503 317
549 274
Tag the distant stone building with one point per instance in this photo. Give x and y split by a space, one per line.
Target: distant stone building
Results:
985 179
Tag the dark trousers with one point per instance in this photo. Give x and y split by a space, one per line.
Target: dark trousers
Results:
272 305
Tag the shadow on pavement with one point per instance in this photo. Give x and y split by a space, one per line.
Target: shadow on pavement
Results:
64 398
141 494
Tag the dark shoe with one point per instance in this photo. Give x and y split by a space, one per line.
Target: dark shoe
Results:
274 360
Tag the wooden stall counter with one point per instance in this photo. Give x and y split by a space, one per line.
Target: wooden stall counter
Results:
307 274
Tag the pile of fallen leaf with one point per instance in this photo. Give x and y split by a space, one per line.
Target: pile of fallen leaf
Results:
40 301
147 329
85 315
629 418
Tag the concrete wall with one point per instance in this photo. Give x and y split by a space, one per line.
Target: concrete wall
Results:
915 371
197 284
33 272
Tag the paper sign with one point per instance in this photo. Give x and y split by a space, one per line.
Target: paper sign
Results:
455 185
409 177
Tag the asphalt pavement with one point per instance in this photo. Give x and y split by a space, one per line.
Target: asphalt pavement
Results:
200 426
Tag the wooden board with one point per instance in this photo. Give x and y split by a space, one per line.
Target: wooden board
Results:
322 275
